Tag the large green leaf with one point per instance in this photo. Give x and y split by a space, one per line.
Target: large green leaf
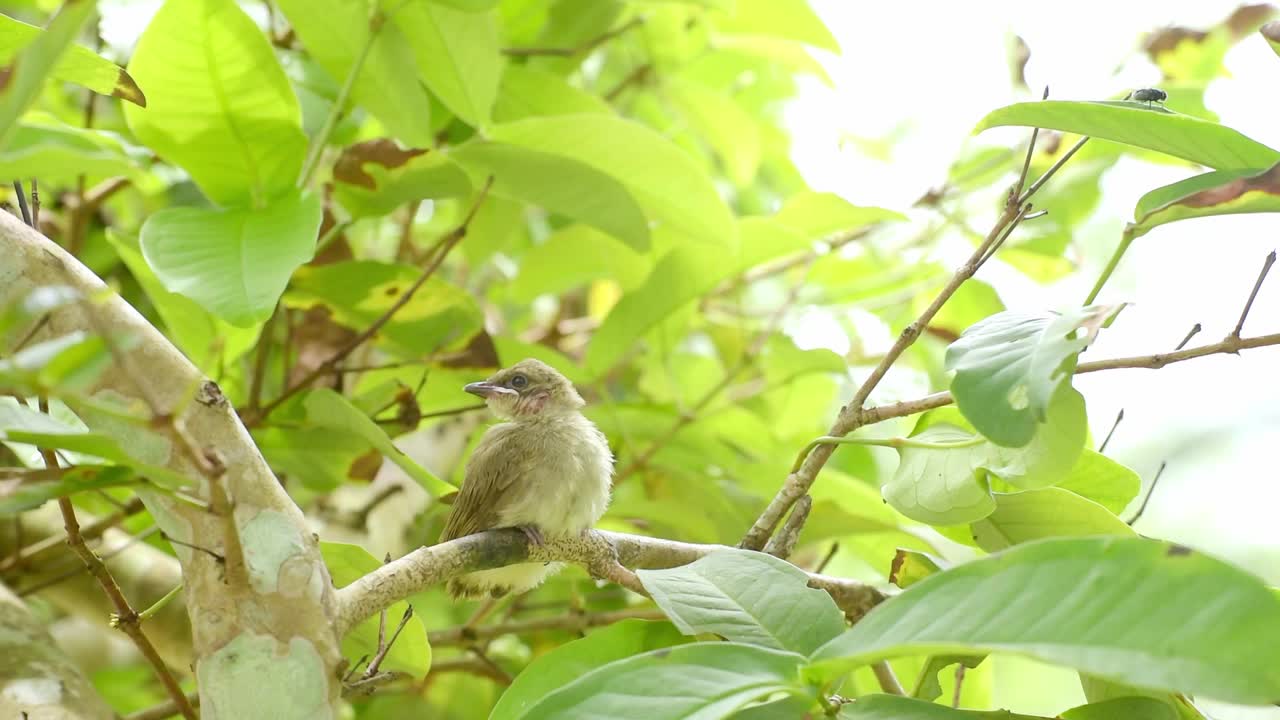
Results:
25 74
56 152
746 597
729 129
1221 192
234 262
411 652
552 671
218 103
1129 708
336 32
79 65
321 458
358 292
327 409
1036 514
457 55
892 707
1146 613
575 255
562 185
1102 480
1009 366
527 91
669 184
375 177
1133 123
702 681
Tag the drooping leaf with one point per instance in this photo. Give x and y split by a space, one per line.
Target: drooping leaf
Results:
375 177
79 65
457 56
234 262
1142 612
579 191
563 665
327 409
670 186
942 486
411 652
358 292
335 33
1009 366
1133 123
25 73
218 103
1221 192
697 681
1050 512
746 597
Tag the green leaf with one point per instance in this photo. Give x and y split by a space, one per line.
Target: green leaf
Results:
1221 192
892 707
1009 366
728 128
56 152
457 56
817 215
218 103
928 686
746 597
942 486
671 187
469 5
574 256
358 292
1146 613
552 671
25 74
79 65
374 177
910 567
1102 480
234 262
1129 708
1133 123
562 185
67 363
701 681
790 19
411 652
320 458
528 91
335 33
1036 514
327 409
18 496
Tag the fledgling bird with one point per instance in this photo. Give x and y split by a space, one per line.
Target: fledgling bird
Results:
547 470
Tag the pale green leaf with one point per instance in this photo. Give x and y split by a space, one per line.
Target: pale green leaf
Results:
457 56
1221 192
26 73
528 91
1036 514
572 257
79 65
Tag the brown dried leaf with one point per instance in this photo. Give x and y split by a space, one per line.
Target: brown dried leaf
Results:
383 151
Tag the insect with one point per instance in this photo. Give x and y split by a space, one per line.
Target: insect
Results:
1148 96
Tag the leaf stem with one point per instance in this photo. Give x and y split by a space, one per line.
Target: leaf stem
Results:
896 443
1126 239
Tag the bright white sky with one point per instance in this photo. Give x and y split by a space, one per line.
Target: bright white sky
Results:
929 70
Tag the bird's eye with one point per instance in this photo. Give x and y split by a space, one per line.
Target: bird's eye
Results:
519 381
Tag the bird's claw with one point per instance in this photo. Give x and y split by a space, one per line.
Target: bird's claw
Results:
533 534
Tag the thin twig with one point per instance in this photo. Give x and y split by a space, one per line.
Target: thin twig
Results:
574 621
22 202
1190 334
384 648
783 544
166 709
1016 192
35 203
78 567
887 679
1107 441
260 361
91 531
1053 169
1257 285
125 619
633 77
437 258
1146 498
955 694
583 47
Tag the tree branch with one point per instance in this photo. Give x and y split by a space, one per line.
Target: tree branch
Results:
577 621
596 550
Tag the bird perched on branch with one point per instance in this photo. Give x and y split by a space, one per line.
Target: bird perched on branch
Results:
546 471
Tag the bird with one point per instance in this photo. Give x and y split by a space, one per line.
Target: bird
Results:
546 470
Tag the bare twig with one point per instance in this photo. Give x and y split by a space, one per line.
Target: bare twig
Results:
955 694
1035 187
22 201
384 648
1016 192
887 679
125 619
1146 498
437 258
1257 285
784 543
1190 334
93 530
164 710
260 361
1107 441
635 76
575 621
35 204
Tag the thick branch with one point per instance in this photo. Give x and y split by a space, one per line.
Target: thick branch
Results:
596 551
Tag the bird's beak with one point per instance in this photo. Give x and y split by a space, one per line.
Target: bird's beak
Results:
486 389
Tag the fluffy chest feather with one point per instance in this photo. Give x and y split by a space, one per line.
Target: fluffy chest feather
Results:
565 486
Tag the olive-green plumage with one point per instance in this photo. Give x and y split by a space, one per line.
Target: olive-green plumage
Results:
546 470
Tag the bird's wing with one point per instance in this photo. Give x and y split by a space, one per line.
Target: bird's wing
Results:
490 473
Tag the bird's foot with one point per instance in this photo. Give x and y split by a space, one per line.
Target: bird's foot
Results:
534 534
